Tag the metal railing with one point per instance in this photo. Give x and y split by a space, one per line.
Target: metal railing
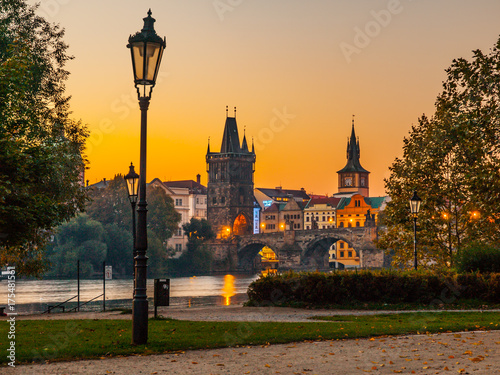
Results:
58 305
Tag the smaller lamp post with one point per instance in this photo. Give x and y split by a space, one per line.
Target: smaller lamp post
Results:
132 182
415 202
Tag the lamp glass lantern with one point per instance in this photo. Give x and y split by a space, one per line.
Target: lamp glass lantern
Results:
415 202
146 49
132 182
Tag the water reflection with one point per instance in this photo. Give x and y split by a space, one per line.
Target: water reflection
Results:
35 295
228 289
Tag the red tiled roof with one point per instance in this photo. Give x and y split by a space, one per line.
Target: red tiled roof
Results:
193 186
332 201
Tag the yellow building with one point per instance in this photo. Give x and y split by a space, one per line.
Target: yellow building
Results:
354 211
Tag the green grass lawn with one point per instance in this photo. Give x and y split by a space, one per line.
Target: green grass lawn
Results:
40 341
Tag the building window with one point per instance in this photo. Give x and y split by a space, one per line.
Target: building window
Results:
223 200
349 225
178 202
341 245
179 231
341 224
341 254
357 223
178 247
308 227
349 254
307 218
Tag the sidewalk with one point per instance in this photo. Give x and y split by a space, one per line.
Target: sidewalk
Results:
446 353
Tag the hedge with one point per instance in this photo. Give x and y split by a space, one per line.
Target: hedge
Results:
366 286
478 257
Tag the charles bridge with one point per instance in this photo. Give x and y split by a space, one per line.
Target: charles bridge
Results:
296 250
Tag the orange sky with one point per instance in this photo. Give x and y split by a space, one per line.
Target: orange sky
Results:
317 61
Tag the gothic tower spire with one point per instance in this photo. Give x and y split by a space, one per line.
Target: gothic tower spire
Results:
353 177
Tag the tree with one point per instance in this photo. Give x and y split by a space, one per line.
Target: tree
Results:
453 161
40 146
197 258
110 205
79 239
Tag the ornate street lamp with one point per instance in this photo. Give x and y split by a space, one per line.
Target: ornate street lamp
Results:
131 180
146 49
415 202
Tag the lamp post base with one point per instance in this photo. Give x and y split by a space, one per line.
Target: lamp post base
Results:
140 318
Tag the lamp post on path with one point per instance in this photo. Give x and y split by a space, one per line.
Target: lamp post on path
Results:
146 49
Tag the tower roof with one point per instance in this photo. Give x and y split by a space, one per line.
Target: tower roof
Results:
353 164
230 139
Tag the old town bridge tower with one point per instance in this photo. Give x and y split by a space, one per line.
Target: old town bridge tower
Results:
353 178
230 198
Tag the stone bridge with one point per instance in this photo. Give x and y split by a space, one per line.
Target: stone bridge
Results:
297 250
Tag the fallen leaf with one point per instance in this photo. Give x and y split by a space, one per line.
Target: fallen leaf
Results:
476 359
451 356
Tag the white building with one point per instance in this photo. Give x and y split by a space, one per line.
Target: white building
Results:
190 200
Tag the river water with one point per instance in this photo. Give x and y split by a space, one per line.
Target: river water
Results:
35 296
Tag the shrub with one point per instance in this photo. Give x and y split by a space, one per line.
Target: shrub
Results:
479 258
387 286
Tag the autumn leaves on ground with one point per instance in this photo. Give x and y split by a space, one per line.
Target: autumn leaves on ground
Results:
42 341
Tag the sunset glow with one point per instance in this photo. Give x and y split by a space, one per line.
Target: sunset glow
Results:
296 71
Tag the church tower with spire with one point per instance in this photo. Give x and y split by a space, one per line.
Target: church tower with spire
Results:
353 178
230 199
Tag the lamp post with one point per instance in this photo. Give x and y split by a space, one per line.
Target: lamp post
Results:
131 180
415 202
146 49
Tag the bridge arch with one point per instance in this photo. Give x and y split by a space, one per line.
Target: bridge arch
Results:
248 251
316 252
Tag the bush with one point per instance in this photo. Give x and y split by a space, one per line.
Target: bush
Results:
479 258
387 286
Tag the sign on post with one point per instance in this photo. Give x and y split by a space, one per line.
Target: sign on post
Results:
108 272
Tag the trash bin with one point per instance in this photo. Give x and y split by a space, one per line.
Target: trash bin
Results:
162 293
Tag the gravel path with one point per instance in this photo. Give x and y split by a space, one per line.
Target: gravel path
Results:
445 353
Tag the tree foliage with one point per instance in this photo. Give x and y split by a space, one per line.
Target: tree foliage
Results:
198 258
111 205
109 209
453 161
40 145
79 239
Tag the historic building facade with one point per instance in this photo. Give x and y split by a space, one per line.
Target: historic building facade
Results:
231 205
190 201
